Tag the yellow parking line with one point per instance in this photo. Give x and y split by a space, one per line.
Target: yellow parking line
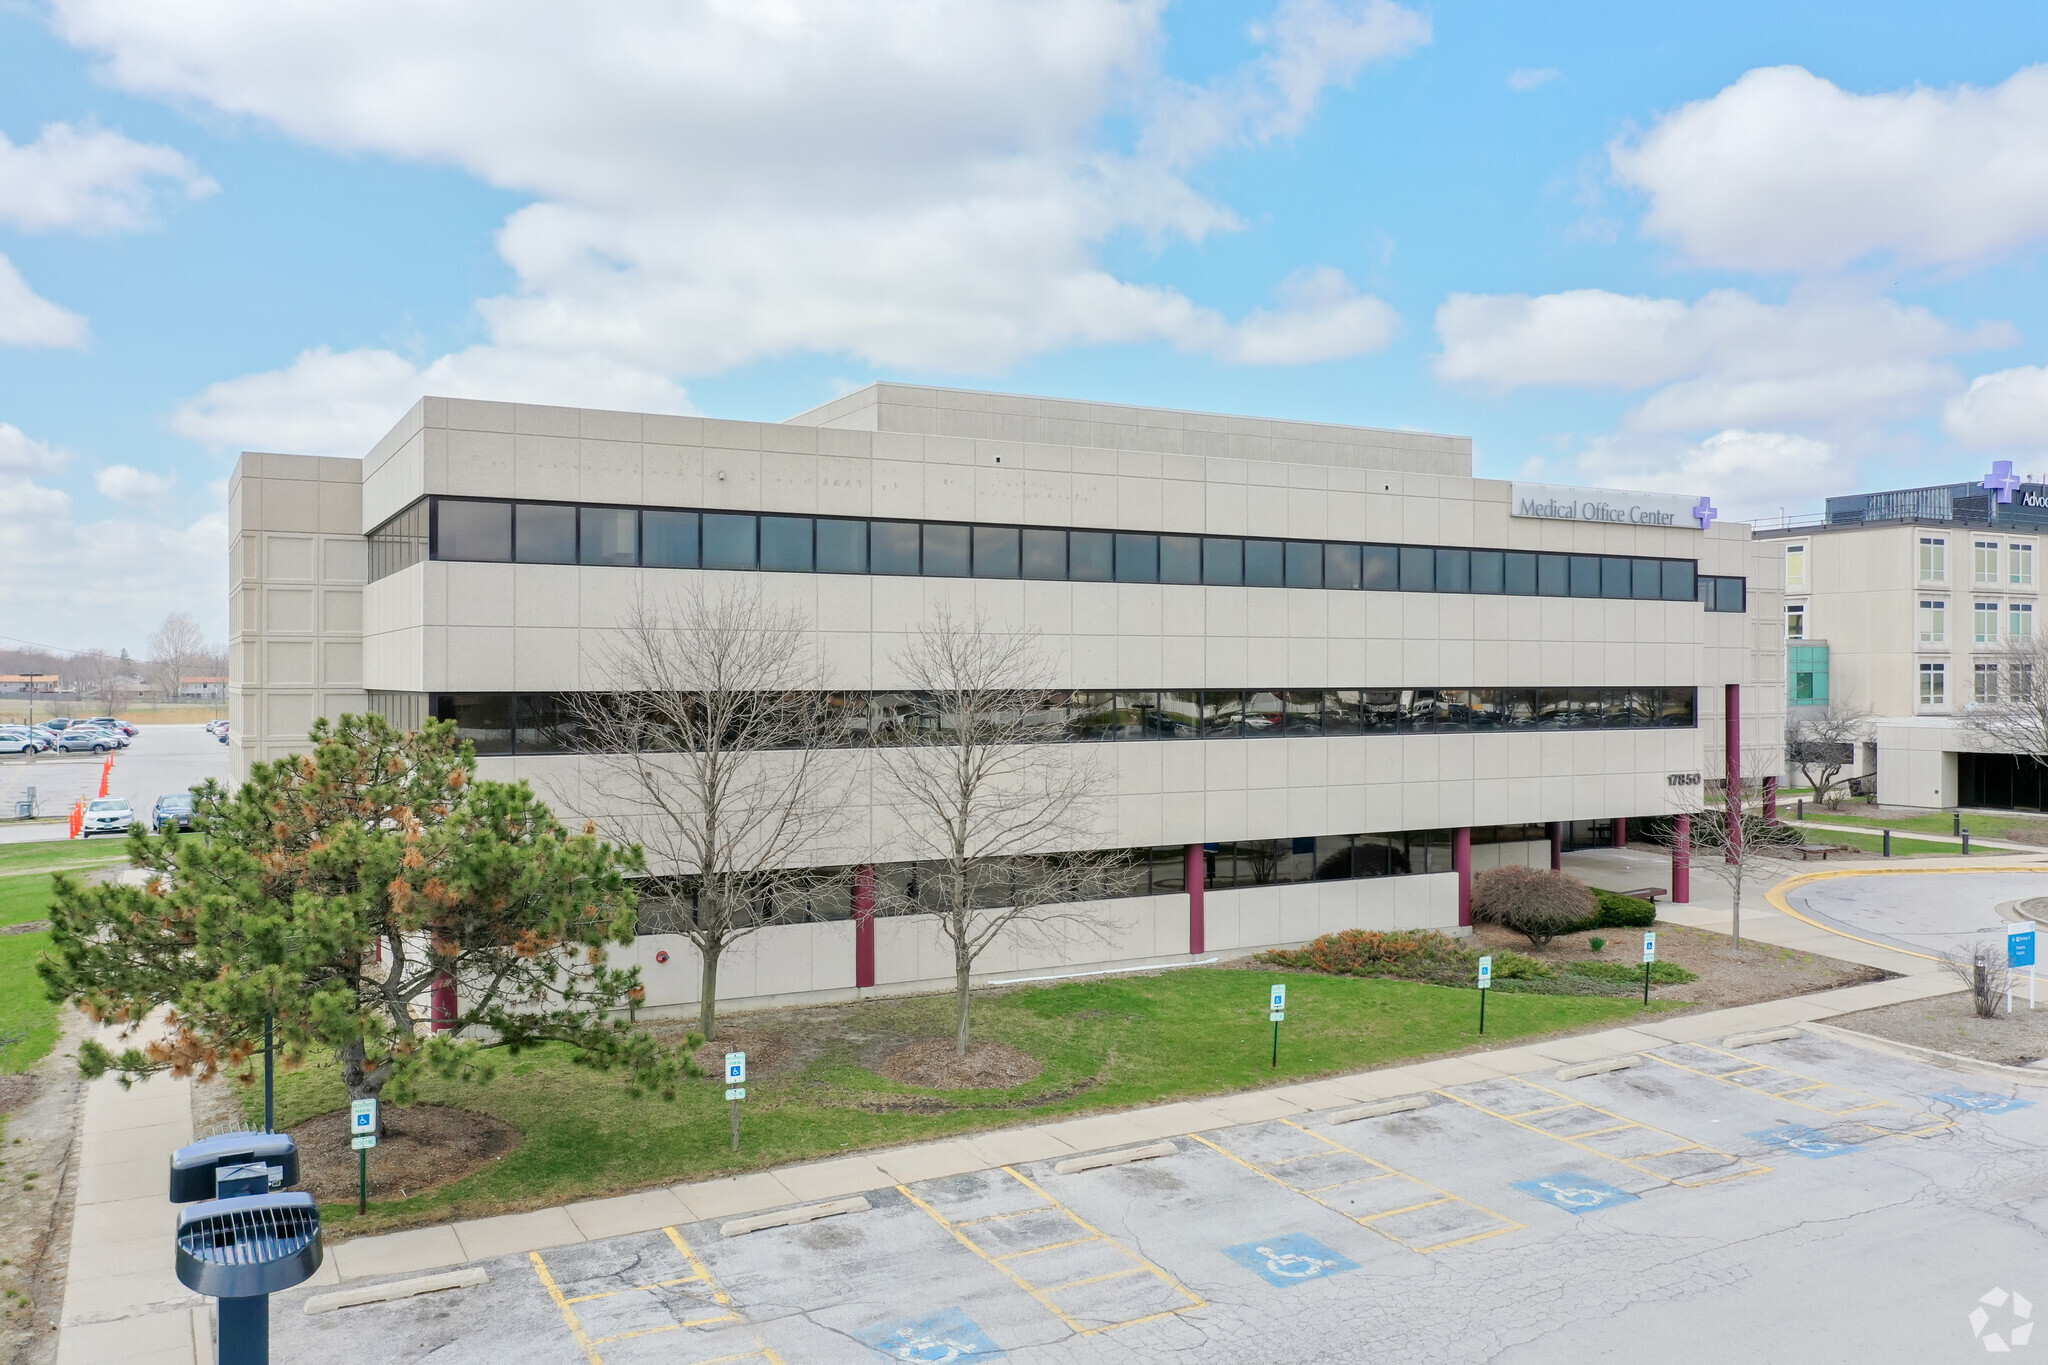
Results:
1814 1083
1622 1124
589 1344
1051 1246
658 1284
696 1265
547 1280
1095 1279
1425 1204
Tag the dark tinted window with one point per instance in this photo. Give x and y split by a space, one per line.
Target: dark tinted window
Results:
1263 715
1553 575
1614 577
1418 568
1678 584
842 546
1262 564
1418 711
1519 573
1342 567
945 551
1045 554
547 723
544 533
786 544
1304 564
1381 570
1180 715
483 719
473 530
1489 571
1648 580
1137 558
1089 556
892 546
1341 711
1222 713
995 552
1380 713
1454 571
668 540
1222 561
1180 559
729 541
1092 715
610 535
1730 594
1304 711
1585 576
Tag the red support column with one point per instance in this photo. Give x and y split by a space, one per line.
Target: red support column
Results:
864 926
1731 767
1197 873
1681 860
1620 837
1557 845
444 1007
1461 863
1771 799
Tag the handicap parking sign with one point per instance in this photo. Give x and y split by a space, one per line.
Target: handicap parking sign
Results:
1810 1143
1295 1258
1575 1193
943 1337
1980 1103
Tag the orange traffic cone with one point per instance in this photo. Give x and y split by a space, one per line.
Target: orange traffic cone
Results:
77 819
106 776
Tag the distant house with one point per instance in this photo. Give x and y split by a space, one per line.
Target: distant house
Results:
17 684
202 689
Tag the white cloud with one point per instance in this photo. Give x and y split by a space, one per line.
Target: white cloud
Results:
89 180
21 453
340 402
1320 317
1747 473
1785 171
1727 360
913 183
2005 410
124 483
1523 79
28 319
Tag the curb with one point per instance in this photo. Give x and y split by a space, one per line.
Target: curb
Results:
1913 1052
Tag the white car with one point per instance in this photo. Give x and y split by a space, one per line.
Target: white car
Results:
107 815
19 742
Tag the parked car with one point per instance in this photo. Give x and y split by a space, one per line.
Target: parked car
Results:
216 728
107 815
18 740
112 724
175 809
57 723
77 741
222 733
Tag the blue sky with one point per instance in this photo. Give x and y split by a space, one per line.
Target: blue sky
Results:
1759 251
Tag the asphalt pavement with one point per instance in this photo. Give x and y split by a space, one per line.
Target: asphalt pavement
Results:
1946 912
162 759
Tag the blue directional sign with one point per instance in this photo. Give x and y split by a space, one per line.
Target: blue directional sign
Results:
1575 1193
1291 1259
2019 944
947 1335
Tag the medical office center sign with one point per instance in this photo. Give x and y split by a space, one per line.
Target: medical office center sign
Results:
1680 510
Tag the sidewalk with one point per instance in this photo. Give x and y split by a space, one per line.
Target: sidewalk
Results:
123 1306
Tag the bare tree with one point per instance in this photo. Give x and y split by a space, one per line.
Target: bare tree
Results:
994 813
1821 740
93 672
2013 719
1983 971
172 649
723 756
1735 841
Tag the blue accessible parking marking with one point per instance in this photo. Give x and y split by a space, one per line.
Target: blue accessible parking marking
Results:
1293 1259
1575 1193
945 1336
1807 1142
1978 1102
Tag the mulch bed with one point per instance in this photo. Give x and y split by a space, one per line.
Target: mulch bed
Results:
1728 976
767 1053
934 1064
16 1090
1949 1023
423 1148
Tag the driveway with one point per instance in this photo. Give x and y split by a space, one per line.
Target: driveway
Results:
1921 912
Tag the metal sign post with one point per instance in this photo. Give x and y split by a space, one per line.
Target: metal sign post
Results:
2019 952
1485 985
1276 1012
362 1135
735 1089
1649 959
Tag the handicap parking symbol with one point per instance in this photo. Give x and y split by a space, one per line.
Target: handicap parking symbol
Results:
1810 1143
1295 1258
1978 1102
945 1336
1575 1193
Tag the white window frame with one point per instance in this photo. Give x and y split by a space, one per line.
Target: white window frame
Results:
1981 615
1984 683
1984 561
1933 559
2019 559
1933 684
1795 566
1933 621
1795 621
2019 621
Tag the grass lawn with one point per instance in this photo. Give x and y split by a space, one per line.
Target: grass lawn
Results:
1104 1045
25 1013
62 853
1978 823
1874 843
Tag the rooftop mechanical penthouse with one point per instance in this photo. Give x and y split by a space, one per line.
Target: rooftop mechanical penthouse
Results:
1333 674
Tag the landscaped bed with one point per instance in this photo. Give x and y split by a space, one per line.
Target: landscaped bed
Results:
1948 1023
1101 1045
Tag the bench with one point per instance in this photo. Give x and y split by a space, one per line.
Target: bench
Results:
1645 893
1807 852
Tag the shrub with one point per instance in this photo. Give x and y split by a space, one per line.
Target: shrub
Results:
1621 912
1509 965
1418 955
1624 974
1534 902
1596 944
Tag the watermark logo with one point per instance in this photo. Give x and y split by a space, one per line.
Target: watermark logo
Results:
2015 1324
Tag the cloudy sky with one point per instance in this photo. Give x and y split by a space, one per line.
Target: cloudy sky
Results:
1761 251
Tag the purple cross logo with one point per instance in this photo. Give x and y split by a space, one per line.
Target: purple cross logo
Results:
1705 513
2001 480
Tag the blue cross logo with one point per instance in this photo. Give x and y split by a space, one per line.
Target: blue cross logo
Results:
1705 512
2001 480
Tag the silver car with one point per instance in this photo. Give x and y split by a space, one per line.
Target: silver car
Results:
78 740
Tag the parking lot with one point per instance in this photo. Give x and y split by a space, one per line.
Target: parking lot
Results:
162 759
1803 1200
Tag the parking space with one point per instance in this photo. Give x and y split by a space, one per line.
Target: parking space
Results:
1700 1175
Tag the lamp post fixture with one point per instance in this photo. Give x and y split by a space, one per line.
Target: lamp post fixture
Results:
32 696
